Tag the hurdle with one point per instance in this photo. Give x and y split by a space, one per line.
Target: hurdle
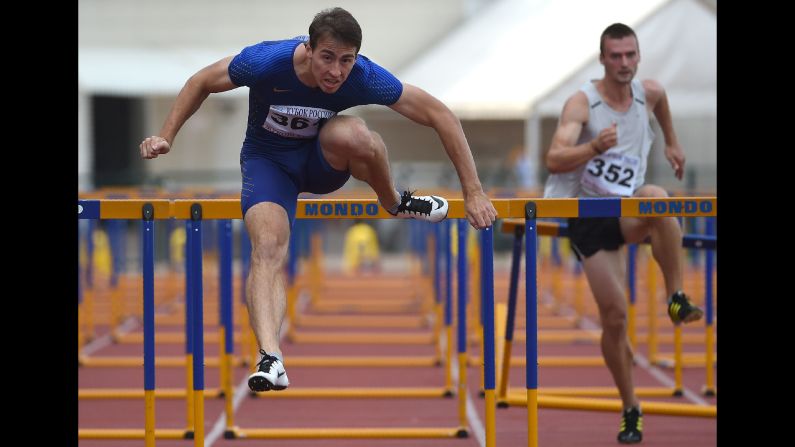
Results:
223 361
561 230
359 337
149 433
530 209
349 304
388 361
678 359
198 384
80 311
179 361
380 361
532 400
88 291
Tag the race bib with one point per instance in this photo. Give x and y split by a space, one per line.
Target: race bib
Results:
610 174
296 121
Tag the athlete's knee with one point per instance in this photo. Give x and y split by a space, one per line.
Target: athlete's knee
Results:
651 191
269 250
377 148
614 320
350 136
656 191
364 144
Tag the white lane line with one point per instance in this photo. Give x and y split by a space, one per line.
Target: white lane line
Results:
654 371
472 412
241 392
95 345
474 422
658 374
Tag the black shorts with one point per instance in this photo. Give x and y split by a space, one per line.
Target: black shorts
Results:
591 234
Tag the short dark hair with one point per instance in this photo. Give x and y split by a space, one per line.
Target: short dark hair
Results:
338 24
616 31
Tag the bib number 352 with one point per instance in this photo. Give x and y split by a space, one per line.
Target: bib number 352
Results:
611 174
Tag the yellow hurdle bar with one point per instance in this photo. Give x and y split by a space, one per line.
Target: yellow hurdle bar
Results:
591 391
557 360
361 338
128 433
711 358
375 361
346 306
531 400
176 361
137 393
350 433
580 335
173 337
615 405
295 361
690 359
386 321
370 209
678 357
198 418
462 390
149 423
359 393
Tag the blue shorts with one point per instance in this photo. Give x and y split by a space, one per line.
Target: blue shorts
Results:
278 176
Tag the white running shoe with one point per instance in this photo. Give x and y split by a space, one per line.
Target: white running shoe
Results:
430 208
270 375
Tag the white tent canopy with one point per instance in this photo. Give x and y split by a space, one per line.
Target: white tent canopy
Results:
678 47
500 64
142 71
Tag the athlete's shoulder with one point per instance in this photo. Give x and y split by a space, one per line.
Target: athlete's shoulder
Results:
576 107
271 49
257 60
372 83
652 89
579 97
363 67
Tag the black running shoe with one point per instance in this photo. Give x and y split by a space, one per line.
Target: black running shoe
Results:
681 310
270 375
430 208
631 431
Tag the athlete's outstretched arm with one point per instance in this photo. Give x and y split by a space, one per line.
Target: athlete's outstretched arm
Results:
421 107
211 79
658 100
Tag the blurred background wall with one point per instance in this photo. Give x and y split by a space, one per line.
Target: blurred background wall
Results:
504 66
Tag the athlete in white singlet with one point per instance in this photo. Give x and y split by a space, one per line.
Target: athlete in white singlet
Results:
600 149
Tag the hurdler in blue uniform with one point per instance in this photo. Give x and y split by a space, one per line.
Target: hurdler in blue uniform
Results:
281 155
296 141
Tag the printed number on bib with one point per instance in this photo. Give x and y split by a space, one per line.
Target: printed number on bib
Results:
610 174
295 121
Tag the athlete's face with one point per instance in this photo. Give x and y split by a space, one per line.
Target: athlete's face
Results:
331 62
620 58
